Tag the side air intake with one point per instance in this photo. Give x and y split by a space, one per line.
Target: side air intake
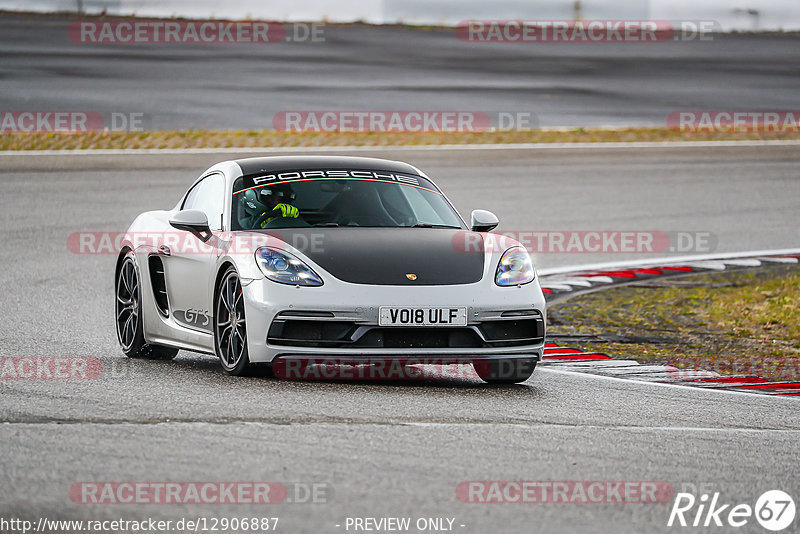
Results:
159 282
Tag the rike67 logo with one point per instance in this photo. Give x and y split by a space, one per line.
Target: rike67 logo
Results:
774 510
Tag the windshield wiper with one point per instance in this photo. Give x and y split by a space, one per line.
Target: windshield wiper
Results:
327 224
429 225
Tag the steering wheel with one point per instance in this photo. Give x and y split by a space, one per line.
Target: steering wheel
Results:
263 218
286 222
356 220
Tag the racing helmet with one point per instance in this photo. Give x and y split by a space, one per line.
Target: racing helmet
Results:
283 192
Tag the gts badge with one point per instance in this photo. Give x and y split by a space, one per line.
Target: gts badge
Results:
193 318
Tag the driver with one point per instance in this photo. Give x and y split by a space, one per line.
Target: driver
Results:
268 204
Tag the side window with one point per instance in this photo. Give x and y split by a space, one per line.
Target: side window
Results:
208 195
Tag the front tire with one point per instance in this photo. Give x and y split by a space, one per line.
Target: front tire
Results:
230 327
505 371
129 318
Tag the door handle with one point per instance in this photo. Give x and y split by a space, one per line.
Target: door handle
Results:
164 250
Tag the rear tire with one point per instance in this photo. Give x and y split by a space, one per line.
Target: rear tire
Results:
129 316
230 327
505 371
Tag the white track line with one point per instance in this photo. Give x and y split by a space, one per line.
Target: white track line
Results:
394 424
667 384
474 146
626 428
667 260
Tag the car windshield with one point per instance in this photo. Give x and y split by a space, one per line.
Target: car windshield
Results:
334 198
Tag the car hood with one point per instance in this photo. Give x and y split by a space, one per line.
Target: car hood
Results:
391 256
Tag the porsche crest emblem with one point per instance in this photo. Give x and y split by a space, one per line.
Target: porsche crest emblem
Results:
411 276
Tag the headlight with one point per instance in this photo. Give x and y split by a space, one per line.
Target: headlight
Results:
515 268
284 268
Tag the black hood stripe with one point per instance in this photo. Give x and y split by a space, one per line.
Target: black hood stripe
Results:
385 256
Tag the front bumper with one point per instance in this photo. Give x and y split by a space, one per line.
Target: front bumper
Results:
340 320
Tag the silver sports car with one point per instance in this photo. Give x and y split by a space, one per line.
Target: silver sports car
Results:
275 258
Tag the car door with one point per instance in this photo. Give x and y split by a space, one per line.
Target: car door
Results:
189 263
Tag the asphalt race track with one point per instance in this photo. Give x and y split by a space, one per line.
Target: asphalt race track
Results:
383 449
391 68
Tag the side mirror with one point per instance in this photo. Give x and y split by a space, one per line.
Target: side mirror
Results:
483 221
194 221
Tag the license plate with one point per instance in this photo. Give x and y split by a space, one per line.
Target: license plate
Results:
422 316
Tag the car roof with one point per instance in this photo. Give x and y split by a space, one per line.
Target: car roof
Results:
251 166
